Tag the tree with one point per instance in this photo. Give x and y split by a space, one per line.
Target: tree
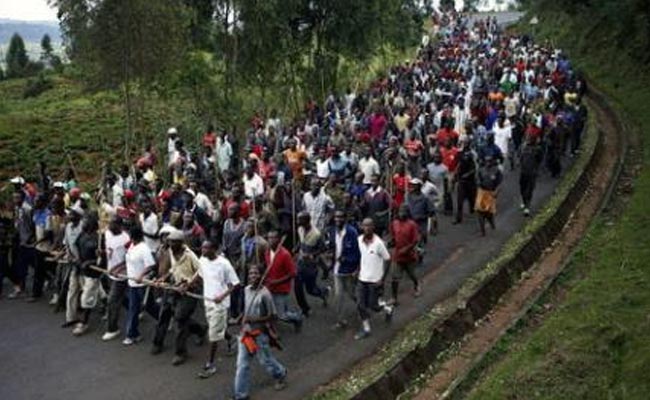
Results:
126 44
2 74
16 60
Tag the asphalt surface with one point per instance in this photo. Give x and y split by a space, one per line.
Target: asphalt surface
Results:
40 360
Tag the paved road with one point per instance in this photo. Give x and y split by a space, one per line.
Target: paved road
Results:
39 360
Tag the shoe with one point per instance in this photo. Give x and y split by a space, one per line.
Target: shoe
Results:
155 350
326 296
80 329
526 212
108 336
208 371
389 313
281 383
131 341
69 323
362 334
178 360
54 299
522 206
16 294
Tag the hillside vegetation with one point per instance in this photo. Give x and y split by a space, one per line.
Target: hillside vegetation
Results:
595 344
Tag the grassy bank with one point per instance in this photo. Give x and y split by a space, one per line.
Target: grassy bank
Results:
594 344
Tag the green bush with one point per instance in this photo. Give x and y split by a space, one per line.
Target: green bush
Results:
35 87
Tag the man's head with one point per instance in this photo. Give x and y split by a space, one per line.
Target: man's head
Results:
304 219
315 186
273 238
368 227
209 250
115 225
255 273
339 218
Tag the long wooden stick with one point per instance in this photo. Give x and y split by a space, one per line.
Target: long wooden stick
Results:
149 282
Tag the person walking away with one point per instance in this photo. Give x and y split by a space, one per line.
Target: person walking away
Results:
421 208
116 242
405 236
346 257
219 280
372 272
489 179
529 159
254 339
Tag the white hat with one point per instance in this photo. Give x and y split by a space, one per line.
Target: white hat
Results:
18 180
191 192
176 235
172 131
77 210
58 185
416 181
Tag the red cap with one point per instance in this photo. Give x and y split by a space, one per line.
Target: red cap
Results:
75 192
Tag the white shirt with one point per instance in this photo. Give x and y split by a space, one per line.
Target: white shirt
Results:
116 246
369 167
502 136
138 259
203 201
322 169
253 187
373 257
150 227
338 248
217 274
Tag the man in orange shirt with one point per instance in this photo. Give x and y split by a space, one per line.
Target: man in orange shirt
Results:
295 158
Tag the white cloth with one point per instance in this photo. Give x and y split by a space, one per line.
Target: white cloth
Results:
217 274
369 167
138 259
203 201
338 249
116 247
373 257
502 136
322 169
253 187
150 227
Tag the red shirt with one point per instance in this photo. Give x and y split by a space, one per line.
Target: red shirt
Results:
244 208
399 182
377 125
445 134
404 234
281 266
210 140
413 147
450 158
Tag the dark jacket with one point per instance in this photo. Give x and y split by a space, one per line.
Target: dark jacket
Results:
350 255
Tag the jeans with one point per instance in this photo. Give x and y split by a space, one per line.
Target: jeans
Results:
465 192
344 286
367 299
41 268
307 280
526 188
285 314
24 257
136 295
265 359
115 300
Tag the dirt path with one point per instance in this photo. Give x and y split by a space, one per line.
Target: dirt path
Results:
517 301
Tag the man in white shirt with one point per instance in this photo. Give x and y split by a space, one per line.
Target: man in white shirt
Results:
150 226
368 166
139 262
372 271
253 184
502 135
219 280
116 242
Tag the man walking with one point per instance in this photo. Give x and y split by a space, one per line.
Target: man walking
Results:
311 246
372 272
281 271
345 248
405 234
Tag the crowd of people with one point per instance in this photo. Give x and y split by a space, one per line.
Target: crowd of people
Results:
333 207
